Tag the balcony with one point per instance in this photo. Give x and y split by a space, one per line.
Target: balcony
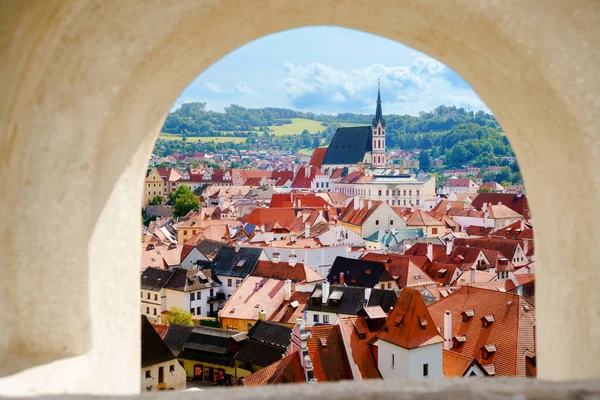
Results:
216 297
213 314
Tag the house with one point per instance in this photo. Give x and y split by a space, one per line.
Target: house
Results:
409 345
153 302
233 263
287 370
465 257
206 354
444 274
329 302
192 290
459 185
201 254
490 216
417 218
511 249
516 202
367 218
493 187
403 270
457 365
160 369
170 177
494 327
361 273
267 343
153 186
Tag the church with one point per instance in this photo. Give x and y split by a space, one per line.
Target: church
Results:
355 146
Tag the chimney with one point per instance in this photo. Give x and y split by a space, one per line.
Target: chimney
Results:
370 204
306 230
307 171
262 314
367 296
449 245
288 289
448 206
430 251
325 289
499 203
472 278
298 214
522 225
484 207
237 247
447 330
275 258
356 202
292 260
341 278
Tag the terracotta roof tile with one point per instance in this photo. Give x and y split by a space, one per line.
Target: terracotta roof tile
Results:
328 354
282 270
318 156
358 216
287 370
402 269
356 336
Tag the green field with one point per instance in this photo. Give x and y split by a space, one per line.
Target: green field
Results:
216 139
297 126
307 151
350 124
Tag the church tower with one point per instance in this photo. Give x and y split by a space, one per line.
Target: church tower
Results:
378 126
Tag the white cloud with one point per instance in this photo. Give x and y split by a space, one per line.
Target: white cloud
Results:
242 87
213 87
421 86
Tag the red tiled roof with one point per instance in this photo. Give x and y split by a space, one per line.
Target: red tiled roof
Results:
514 231
422 218
357 335
287 370
360 215
440 272
511 332
290 310
456 365
318 156
301 181
517 203
410 325
401 268
524 278
279 200
282 270
328 354
505 246
460 182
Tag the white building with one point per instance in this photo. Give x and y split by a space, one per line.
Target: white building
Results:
409 345
459 185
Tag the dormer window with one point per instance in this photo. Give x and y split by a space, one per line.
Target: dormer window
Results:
442 272
423 323
458 341
398 321
487 321
467 315
488 351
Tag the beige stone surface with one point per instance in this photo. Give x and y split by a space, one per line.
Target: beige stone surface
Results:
85 86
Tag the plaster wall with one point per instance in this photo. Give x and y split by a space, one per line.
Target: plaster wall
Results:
86 87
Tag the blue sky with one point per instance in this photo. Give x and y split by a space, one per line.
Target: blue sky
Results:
330 70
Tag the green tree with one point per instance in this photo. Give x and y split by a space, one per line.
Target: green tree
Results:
184 201
483 189
180 316
424 161
156 201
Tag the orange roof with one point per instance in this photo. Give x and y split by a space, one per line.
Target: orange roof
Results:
357 335
318 156
161 329
301 181
282 270
328 354
511 332
409 325
253 295
360 215
524 278
456 365
401 268
440 272
287 370
290 310
422 218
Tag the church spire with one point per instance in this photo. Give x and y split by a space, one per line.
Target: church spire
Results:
378 113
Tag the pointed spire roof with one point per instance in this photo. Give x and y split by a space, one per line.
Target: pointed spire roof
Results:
410 325
378 112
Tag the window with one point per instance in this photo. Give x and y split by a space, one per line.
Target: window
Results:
155 297
198 295
193 311
326 319
238 282
391 222
389 285
198 311
404 202
410 192
417 201
172 368
229 282
192 296
148 374
154 311
379 193
404 193
387 192
185 233
249 327
425 369
434 231
392 360
148 297
393 202
316 318
147 310
376 222
418 192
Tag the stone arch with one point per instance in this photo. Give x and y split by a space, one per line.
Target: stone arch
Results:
86 87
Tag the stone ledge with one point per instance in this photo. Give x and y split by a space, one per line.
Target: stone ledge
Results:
431 389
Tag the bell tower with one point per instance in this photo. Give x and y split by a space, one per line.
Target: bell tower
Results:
378 144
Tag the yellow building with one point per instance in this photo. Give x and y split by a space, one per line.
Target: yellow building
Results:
153 186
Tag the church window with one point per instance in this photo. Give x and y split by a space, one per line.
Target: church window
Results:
379 193
379 130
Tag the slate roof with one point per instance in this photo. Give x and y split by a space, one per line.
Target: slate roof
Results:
155 278
362 273
287 370
154 350
271 333
176 336
211 345
258 353
410 325
349 145
209 248
352 300
238 264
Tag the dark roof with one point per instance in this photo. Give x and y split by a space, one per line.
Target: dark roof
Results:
154 350
209 248
211 345
378 112
155 278
160 211
258 353
238 264
176 337
349 145
271 333
186 280
352 300
363 273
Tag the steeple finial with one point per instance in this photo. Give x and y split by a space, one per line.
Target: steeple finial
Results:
378 112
